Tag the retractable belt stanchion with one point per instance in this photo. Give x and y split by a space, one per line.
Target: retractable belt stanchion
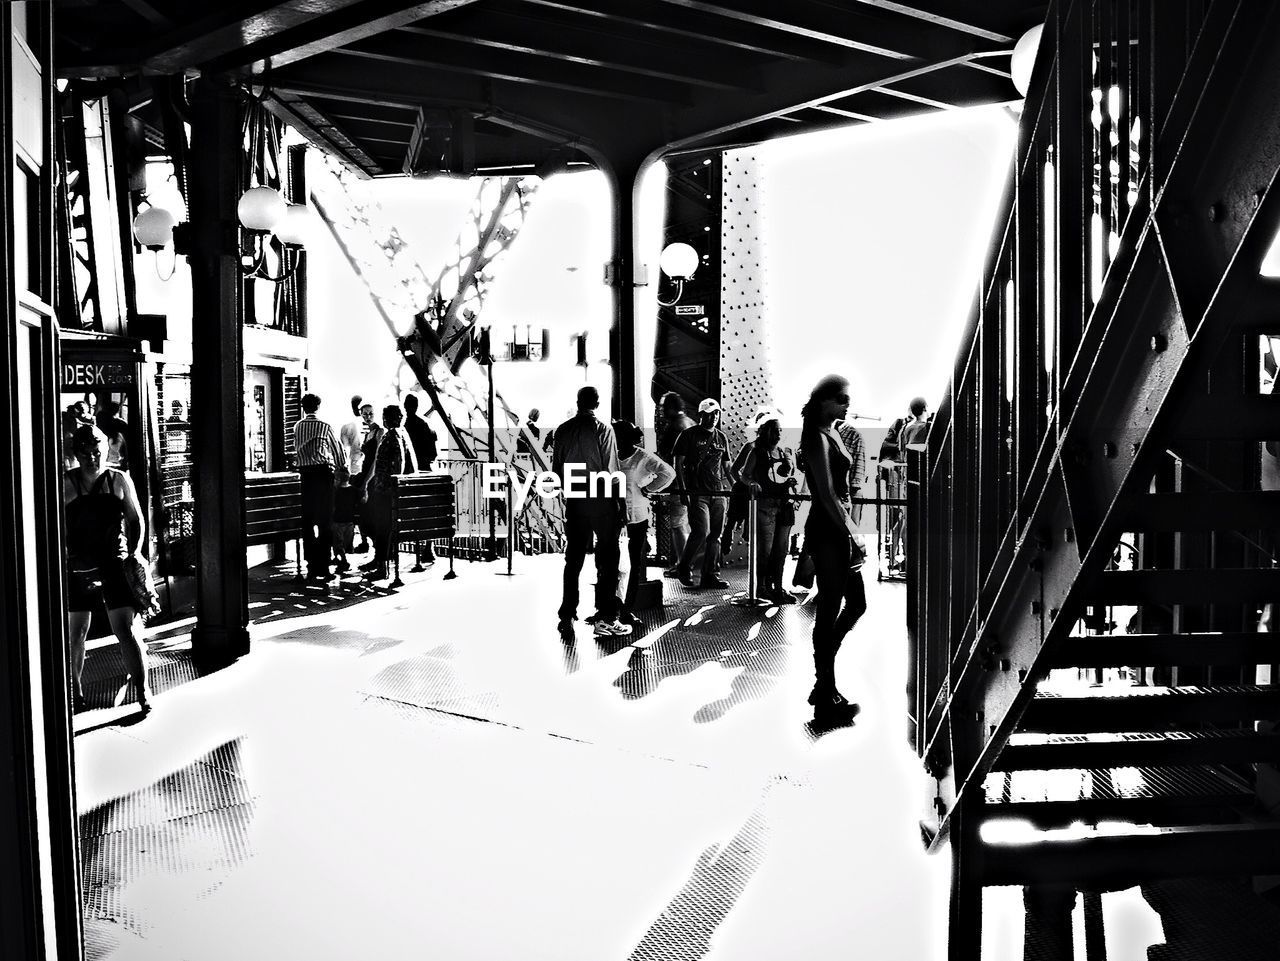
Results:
511 530
394 533
751 600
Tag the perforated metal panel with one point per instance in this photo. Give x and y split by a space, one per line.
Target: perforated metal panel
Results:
745 383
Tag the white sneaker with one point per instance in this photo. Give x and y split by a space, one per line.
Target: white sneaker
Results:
612 629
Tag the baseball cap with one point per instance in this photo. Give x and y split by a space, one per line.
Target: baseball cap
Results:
764 415
708 405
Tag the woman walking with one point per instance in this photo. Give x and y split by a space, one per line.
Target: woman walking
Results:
833 541
104 532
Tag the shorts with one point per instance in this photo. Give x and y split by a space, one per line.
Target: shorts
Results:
106 584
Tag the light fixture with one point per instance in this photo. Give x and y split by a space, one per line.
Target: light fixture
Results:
678 261
1023 59
153 229
295 226
261 209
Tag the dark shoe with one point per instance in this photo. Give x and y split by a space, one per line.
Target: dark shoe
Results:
321 576
341 567
780 597
629 618
592 618
78 703
565 630
671 572
687 581
835 711
377 572
714 582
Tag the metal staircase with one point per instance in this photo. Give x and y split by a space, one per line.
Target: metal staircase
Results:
434 319
1090 548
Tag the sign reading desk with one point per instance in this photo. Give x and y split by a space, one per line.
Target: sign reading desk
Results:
88 371
690 310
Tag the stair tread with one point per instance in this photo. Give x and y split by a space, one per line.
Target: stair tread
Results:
1155 692
1167 649
1115 784
1027 751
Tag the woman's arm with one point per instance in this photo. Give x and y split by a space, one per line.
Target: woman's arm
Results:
747 466
135 525
663 473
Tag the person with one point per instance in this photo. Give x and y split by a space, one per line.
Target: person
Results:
394 455
105 528
370 434
116 430
73 418
585 442
915 429
420 434
736 513
702 464
351 436
646 475
344 522
833 541
321 459
423 439
851 437
534 433
770 471
674 508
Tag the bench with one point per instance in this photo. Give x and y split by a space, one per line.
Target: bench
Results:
273 511
423 509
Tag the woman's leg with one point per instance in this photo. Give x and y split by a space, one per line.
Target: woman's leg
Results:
855 605
125 626
766 522
78 628
778 554
830 551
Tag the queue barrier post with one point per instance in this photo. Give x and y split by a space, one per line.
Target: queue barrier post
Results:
751 600
511 530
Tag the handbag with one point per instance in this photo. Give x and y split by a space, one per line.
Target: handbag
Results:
805 571
144 591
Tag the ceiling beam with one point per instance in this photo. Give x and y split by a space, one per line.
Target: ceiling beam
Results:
321 131
568 48
367 18
937 19
696 29
916 98
411 51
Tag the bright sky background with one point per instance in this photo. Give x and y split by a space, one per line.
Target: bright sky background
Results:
874 238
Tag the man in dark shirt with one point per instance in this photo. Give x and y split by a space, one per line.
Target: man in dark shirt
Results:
320 461
675 512
590 446
423 439
702 464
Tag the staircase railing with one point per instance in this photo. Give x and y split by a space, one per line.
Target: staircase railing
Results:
1086 300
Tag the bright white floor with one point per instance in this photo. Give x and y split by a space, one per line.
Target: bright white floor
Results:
432 777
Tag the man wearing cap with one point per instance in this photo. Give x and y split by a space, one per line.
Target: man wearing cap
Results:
702 466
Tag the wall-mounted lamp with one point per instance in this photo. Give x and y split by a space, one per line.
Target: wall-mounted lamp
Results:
678 261
262 212
1023 58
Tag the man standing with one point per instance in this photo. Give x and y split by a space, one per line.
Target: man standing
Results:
423 439
393 455
589 445
320 459
702 464
351 436
109 422
675 509
421 436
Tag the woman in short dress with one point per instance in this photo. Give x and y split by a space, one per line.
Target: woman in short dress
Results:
104 529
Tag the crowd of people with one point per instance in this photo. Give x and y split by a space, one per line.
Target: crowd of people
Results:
704 494
347 484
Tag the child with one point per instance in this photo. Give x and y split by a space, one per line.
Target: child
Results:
344 523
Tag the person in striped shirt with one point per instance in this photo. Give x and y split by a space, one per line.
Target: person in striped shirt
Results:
320 459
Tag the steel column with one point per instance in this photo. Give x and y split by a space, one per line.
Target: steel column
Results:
217 377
